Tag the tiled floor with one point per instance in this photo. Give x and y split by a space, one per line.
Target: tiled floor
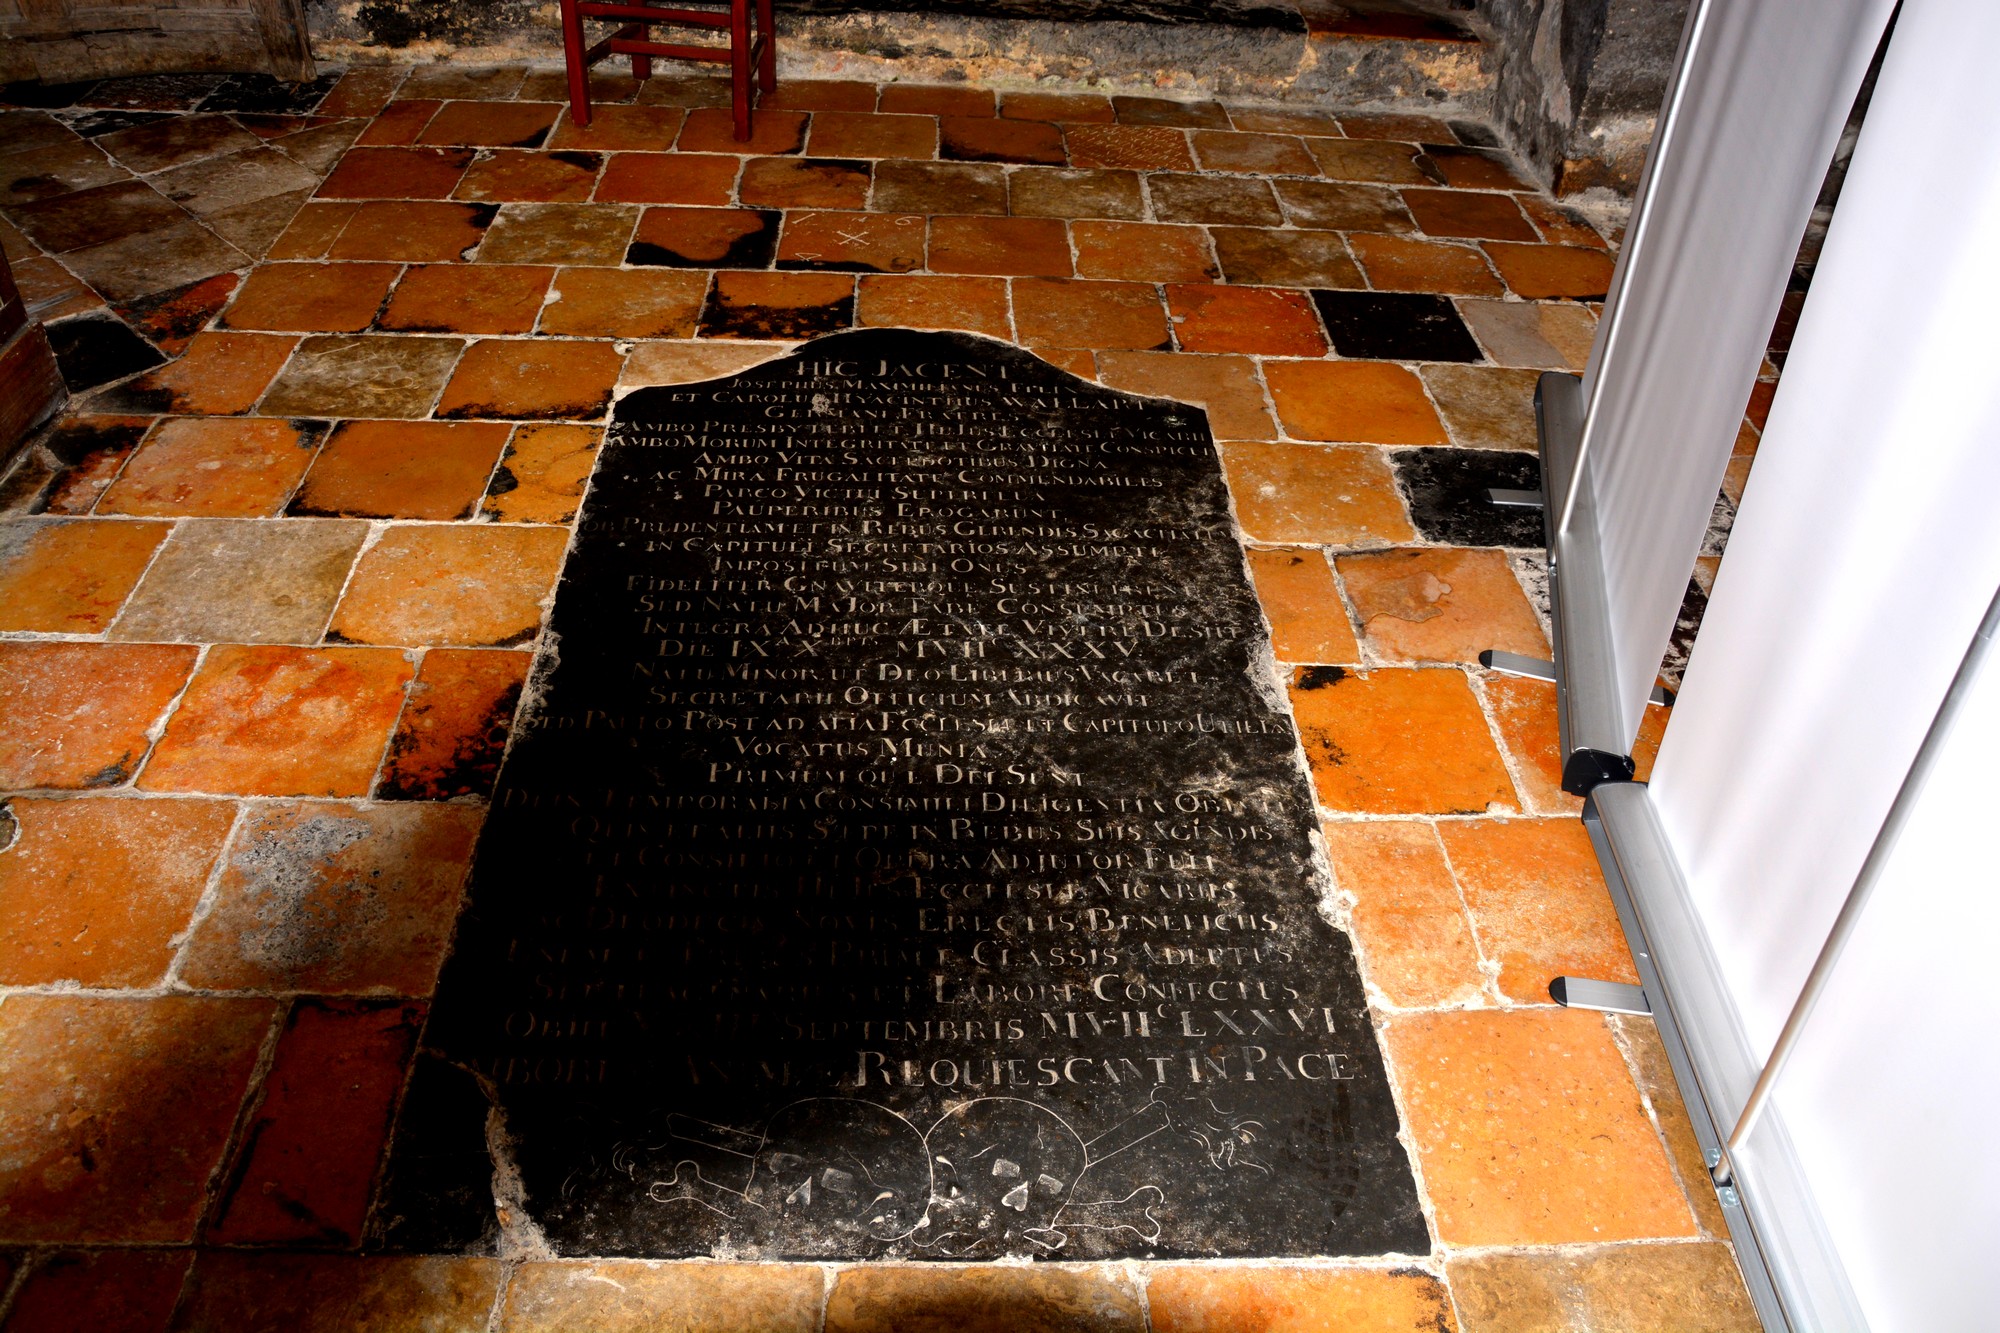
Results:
269 590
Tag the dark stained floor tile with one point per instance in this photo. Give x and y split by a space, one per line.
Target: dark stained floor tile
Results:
95 216
705 238
1446 490
97 349
105 1291
1168 111
1236 201
454 726
777 305
1396 326
804 182
939 187
176 141
996 139
172 318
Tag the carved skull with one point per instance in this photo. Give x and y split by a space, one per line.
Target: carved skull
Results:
1001 1169
835 1172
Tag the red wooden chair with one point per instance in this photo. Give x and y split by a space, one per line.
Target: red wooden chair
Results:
635 17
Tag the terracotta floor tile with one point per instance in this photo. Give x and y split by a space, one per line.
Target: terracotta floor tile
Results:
1462 213
346 376
1263 321
1398 742
1308 618
506 378
1485 407
609 87
1341 206
1445 604
1064 108
335 899
983 1299
1066 312
1230 1299
491 124
510 175
450 79
402 469
1077 361
137 266
1253 154
777 305
271 721
1559 225
1530 1131
1007 246
1059 192
330 298
1314 494
1285 120
1632 1288
620 129
939 187
820 95
1371 160
1539 902
52 290
1647 1058
106 1291
1135 147
1524 713
220 374
1237 201
559 234
1224 386
397 173
859 134
1473 168
216 467
1545 337
363 91
313 229
1369 401
1284 258
978 305
70 576
317 1134
988 138
705 238
420 231
654 363
1169 111
772 133
176 141
624 303
684 90
852 242
669 178
479 586
171 319
1403 264
338 1293
804 182
542 474
400 122
547 1297
233 580
920 99
1410 129
467 298
1417 946
92 450
1143 252
454 725
117 1112
98 892
1541 272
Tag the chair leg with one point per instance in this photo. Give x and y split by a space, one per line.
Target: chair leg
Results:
739 66
642 64
767 58
579 72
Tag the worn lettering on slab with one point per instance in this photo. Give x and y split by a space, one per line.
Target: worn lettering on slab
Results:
904 853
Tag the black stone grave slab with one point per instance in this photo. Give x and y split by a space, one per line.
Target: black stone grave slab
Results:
904 853
1396 326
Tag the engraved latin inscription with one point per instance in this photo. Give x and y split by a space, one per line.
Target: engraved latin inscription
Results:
902 855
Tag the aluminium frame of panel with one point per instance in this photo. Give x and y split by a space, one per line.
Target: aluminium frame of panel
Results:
1789 1262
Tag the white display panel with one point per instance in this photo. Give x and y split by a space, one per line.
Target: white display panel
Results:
1764 89
1865 552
